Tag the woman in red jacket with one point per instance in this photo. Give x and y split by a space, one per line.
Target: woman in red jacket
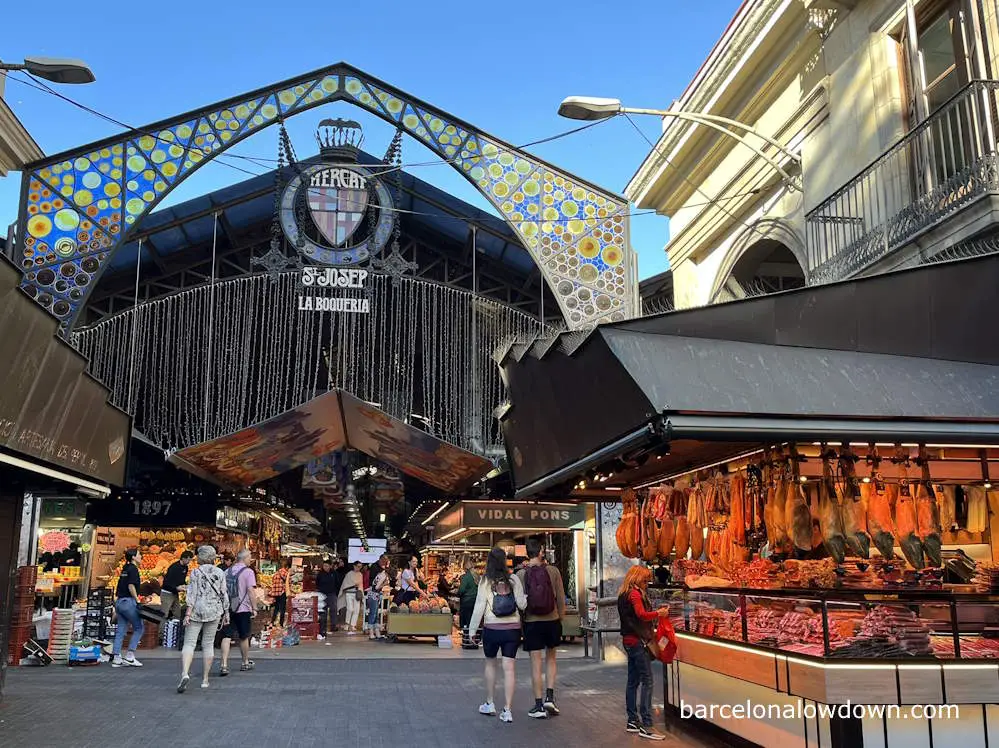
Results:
637 629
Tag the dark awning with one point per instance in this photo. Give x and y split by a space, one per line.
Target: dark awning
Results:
333 421
805 364
51 408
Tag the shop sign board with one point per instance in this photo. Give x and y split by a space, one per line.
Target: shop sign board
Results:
508 515
152 511
233 520
320 277
64 509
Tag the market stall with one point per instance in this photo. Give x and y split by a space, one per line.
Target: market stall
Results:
162 528
510 523
811 475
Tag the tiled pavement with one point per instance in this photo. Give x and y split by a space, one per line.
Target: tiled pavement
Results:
305 703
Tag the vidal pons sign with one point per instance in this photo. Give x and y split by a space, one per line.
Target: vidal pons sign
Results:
338 216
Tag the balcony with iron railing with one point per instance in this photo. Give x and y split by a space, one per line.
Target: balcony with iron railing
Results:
942 166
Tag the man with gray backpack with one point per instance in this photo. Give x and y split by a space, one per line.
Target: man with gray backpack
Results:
240 582
545 593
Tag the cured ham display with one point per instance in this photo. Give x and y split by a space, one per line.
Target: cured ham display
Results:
879 520
799 519
905 522
627 535
831 517
928 525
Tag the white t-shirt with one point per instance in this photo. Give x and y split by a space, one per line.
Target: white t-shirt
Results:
408 580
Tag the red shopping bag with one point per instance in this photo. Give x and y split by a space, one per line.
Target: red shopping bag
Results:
663 644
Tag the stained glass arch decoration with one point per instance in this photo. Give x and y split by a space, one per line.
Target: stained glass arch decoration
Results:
77 207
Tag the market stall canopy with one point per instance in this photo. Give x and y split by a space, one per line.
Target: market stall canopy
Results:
330 422
51 408
872 360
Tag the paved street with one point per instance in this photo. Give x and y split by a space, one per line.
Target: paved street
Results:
306 703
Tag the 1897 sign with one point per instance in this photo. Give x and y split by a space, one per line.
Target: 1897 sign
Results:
155 511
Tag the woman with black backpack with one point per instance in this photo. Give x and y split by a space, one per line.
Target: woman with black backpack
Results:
498 603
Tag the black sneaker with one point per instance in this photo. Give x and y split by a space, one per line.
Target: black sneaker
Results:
538 712
649 733
550 706
632 727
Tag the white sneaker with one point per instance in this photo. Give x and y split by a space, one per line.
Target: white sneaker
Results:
117 661
320 637
506 715
488 709
131 661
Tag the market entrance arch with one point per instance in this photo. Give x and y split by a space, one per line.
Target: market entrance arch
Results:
78 207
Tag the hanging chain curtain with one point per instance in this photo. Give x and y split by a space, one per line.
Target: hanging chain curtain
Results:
423 354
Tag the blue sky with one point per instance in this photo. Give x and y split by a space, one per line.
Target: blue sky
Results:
501 67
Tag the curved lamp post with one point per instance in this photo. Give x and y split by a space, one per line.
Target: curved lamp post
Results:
589 108
53 69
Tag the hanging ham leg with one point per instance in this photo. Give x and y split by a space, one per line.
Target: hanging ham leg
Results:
650 532
928 524
831 518
667 535
946 504
879 519
768 513
905 520
697 520
780 541
682 538
799 519
627 530
737 512
857 539
854 515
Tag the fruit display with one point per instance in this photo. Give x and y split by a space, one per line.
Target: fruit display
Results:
424 605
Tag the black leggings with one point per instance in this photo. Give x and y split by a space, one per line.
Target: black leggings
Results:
279 608
465 615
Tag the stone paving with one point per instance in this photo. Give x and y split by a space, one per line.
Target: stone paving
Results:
312 702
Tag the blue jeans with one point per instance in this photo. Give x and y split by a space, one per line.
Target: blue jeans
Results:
639 674
128 613
374 603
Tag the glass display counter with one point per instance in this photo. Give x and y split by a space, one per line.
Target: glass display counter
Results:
844 624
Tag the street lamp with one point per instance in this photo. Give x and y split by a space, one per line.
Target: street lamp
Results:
54 69
590 108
